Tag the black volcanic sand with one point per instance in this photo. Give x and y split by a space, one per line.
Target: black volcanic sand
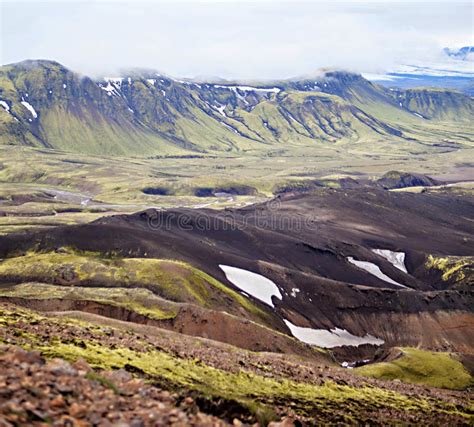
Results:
302 241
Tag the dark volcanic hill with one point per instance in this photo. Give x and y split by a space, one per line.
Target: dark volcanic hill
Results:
44 104
395 179
324 251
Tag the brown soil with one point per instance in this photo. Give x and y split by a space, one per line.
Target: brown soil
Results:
190 320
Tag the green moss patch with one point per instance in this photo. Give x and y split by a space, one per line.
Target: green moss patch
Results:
415 366
258 394
174 281
141 301
452 267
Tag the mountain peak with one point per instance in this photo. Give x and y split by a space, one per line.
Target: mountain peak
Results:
31 64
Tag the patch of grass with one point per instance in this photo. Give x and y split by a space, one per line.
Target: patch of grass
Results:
141 301
436 369
255 392
174 281
244 302
451 267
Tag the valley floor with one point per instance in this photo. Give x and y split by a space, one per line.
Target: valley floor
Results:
45 188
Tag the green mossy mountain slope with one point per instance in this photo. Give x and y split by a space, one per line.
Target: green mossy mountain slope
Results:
44 104
173 281
435 369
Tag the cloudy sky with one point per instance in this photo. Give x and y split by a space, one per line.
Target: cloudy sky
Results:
245 39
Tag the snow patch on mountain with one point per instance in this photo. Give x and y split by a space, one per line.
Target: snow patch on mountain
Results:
253 284
294 292
249 89
221 109
115 80
397 259
30 108
292 118
328 339
111 89
5 106
373 269
233 129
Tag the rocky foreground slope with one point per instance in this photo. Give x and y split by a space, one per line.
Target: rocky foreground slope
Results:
76 395
130 375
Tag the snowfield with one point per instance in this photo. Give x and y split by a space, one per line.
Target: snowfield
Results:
374 270
250 89
30 108
397 259
5 106
328 339
252 283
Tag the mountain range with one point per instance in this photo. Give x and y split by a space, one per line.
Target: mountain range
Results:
44 104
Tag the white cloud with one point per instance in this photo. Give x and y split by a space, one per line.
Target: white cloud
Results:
259 39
